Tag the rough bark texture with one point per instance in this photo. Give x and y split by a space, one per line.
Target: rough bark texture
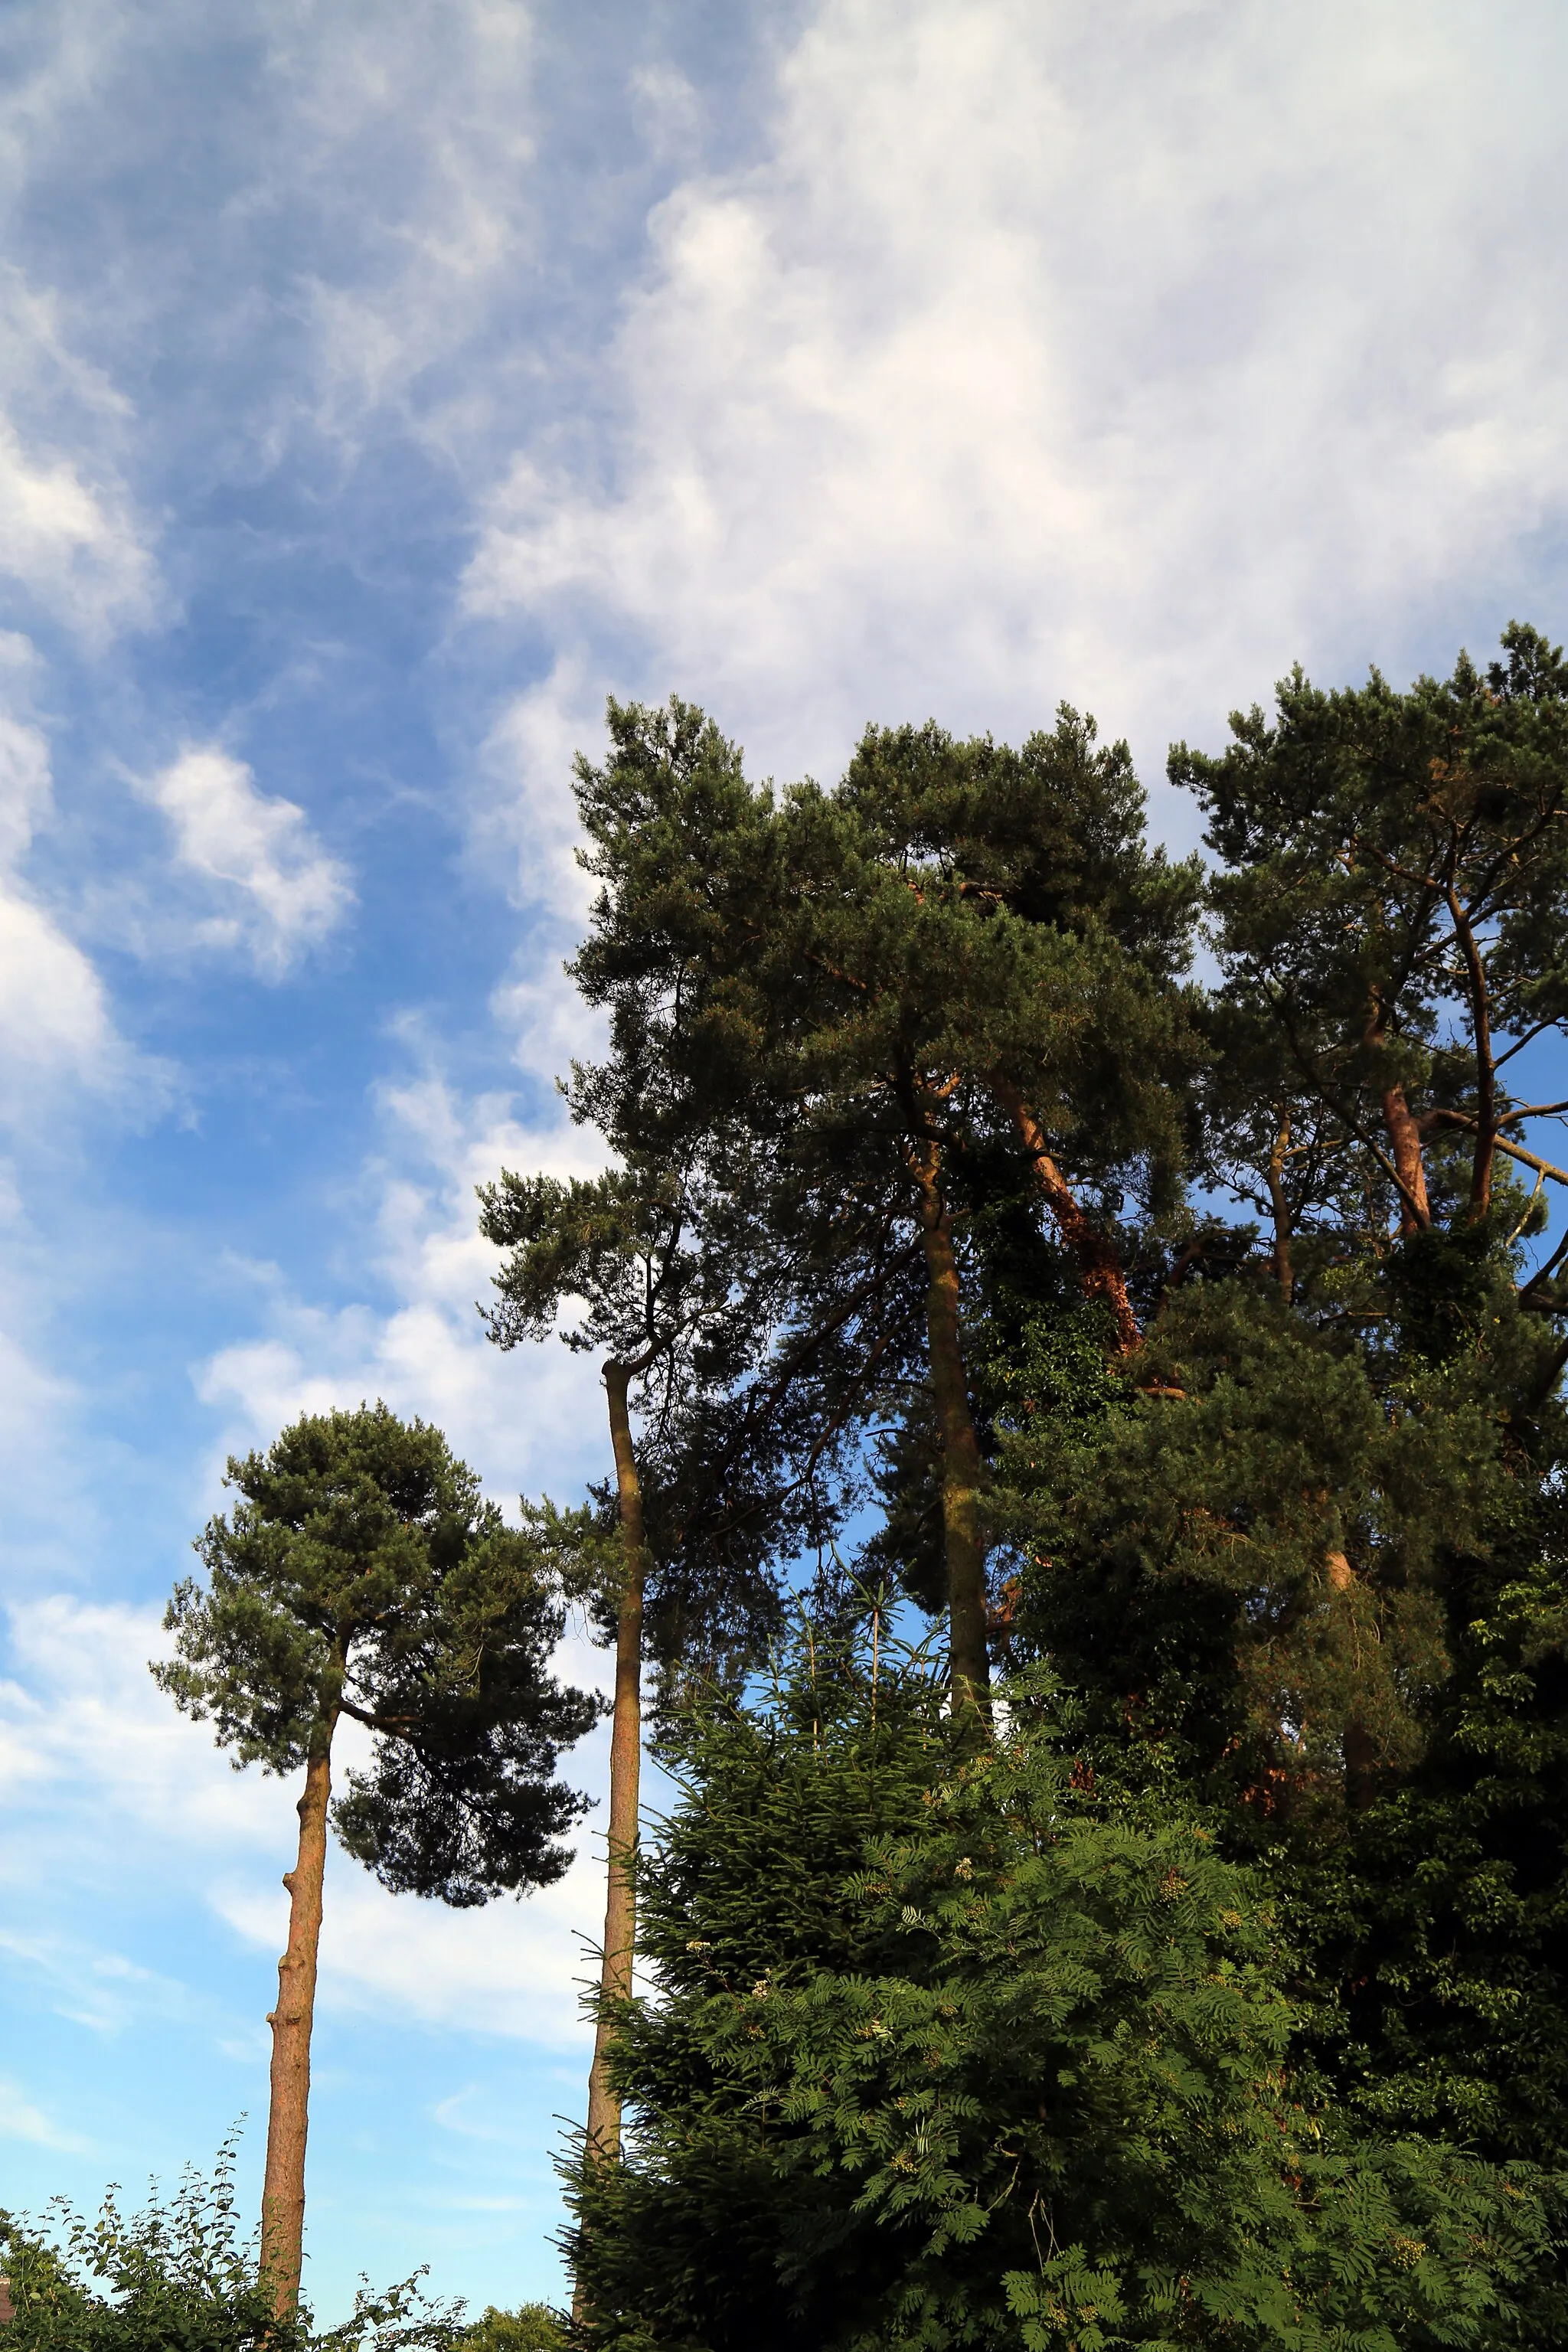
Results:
1281 1209
1100 1273
283 2186
625 1765
1405 1137
1403 1134
963 1543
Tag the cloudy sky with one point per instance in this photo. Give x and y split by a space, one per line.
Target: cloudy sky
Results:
382 382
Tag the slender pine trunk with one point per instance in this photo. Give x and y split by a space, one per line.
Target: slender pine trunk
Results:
1099 1272
1484 1156
625 1767
287 2114
964 1542
1281 1208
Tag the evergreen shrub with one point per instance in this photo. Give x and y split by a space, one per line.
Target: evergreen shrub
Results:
955 2041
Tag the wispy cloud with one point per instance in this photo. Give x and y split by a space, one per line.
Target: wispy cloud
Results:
529 1419
70 539
20 2120
1125 356
91 1748
55 1020
279 892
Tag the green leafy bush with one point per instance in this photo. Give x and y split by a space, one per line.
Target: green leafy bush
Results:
179 2277
953 2044
532 2327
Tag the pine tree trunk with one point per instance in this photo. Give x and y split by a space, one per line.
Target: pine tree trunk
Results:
288 2116
626 1765
1414 1214
963 1543
1281 1208
1404 1135
1100 1273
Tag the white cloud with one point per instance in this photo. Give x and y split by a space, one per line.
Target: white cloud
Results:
103 1784
279 891
512 1969
20 2120
70 536
55 1020
527 1419
1122 355
25 788
86 1735
524 810
72 545
53 1011
425 110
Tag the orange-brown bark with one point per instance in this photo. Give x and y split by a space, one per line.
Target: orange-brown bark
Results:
288 2116
1100 1271
626 1768
1360 1752
1404 1141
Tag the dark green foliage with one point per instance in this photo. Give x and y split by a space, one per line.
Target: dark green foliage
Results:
827 1002
1394 904
672 1282
1439 1929
1242 1556
362 1574
1294 1537
960 2048
178 2277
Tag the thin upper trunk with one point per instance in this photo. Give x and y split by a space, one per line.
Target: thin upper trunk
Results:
964 1542
1485 1158
1099 1272
283 2186
1281 1208
625 1765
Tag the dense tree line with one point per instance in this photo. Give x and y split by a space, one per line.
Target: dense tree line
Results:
1171 1948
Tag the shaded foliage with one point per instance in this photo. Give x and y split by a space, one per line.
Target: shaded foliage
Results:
951 2047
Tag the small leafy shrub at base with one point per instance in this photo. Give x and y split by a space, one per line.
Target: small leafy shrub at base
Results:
178 2277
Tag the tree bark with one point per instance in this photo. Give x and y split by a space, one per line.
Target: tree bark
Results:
1281 1208
626 1768
1405 1136
1100 1273
287 2114
1485 1157
963 1544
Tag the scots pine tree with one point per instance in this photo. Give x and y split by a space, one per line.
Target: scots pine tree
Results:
824 971
361 1576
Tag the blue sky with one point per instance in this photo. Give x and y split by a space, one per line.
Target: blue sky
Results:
381 385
